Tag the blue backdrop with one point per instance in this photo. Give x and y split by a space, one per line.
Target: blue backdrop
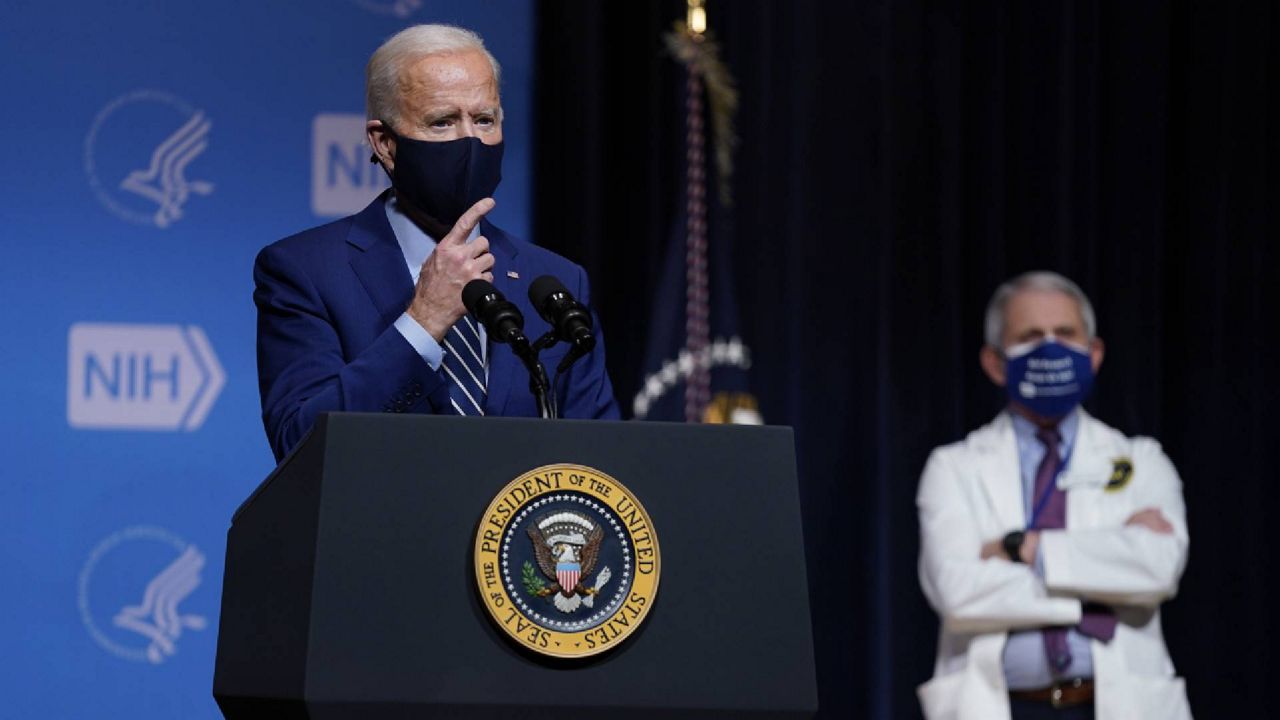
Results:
150 150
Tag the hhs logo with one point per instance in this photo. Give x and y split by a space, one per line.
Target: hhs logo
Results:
343 180
395 8
145 377
137 156
130 590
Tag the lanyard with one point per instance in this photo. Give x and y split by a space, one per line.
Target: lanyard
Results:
1043 500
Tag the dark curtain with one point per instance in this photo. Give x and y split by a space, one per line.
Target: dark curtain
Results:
900 159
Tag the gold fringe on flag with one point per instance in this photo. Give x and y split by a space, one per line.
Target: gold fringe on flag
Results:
700 53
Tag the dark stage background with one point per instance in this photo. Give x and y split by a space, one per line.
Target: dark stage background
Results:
897 161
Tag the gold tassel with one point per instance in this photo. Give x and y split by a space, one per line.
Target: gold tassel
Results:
700 53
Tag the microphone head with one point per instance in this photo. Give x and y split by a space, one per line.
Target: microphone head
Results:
543 288
476 291
568 318
501 318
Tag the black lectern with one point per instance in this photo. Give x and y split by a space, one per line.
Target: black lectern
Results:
349 589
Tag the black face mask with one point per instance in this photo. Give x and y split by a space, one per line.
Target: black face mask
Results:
444 179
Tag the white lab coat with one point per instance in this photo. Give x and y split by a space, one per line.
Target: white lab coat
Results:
971 492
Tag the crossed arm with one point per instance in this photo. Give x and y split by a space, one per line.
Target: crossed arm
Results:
975 588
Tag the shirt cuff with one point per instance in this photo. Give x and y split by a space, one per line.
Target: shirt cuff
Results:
1038 563
417 336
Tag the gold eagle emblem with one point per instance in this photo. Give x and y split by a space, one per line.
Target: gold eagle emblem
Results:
567 548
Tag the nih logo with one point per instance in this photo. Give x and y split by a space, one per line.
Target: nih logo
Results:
343 180
142 377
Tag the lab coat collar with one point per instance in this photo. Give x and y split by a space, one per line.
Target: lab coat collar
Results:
997 450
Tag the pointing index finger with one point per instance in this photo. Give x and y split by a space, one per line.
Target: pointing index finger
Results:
462 229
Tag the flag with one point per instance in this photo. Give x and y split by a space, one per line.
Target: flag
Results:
696 365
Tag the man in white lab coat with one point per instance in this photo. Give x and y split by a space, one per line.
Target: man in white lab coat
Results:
1048 539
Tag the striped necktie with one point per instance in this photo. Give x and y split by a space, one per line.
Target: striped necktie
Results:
462 363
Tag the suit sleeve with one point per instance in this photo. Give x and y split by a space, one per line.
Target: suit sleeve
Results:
969 594
586 391
1126 565
302 371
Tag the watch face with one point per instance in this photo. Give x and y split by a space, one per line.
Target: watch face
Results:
1013 545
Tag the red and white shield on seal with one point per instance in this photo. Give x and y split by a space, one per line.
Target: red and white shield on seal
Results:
567 574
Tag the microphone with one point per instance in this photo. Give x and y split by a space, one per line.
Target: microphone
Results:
568 318
501 319
504 323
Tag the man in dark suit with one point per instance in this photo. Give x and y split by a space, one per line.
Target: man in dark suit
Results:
365 314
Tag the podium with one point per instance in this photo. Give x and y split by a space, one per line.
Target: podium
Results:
350 591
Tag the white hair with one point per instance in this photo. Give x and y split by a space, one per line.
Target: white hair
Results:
1038 280
382 74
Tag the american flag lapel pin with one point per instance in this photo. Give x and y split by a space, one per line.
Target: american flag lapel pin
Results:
513 274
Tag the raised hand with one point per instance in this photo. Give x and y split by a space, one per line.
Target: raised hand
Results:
437 298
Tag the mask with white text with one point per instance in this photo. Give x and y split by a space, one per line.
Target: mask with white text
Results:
1048 377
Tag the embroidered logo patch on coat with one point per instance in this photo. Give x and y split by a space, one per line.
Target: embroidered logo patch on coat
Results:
1121 474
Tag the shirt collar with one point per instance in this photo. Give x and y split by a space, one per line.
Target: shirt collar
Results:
415 244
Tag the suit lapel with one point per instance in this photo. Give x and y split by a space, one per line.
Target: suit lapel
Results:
376 258
1000 470
505 369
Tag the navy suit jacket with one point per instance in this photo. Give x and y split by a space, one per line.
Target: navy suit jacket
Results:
327 298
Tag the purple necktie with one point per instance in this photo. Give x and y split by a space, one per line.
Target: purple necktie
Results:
1098 621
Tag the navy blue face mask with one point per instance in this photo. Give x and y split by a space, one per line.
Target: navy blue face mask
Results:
1048 378
444 179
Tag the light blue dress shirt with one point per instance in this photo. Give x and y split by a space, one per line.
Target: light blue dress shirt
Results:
1025 665
417 246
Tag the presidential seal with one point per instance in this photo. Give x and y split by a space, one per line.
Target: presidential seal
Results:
567 561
